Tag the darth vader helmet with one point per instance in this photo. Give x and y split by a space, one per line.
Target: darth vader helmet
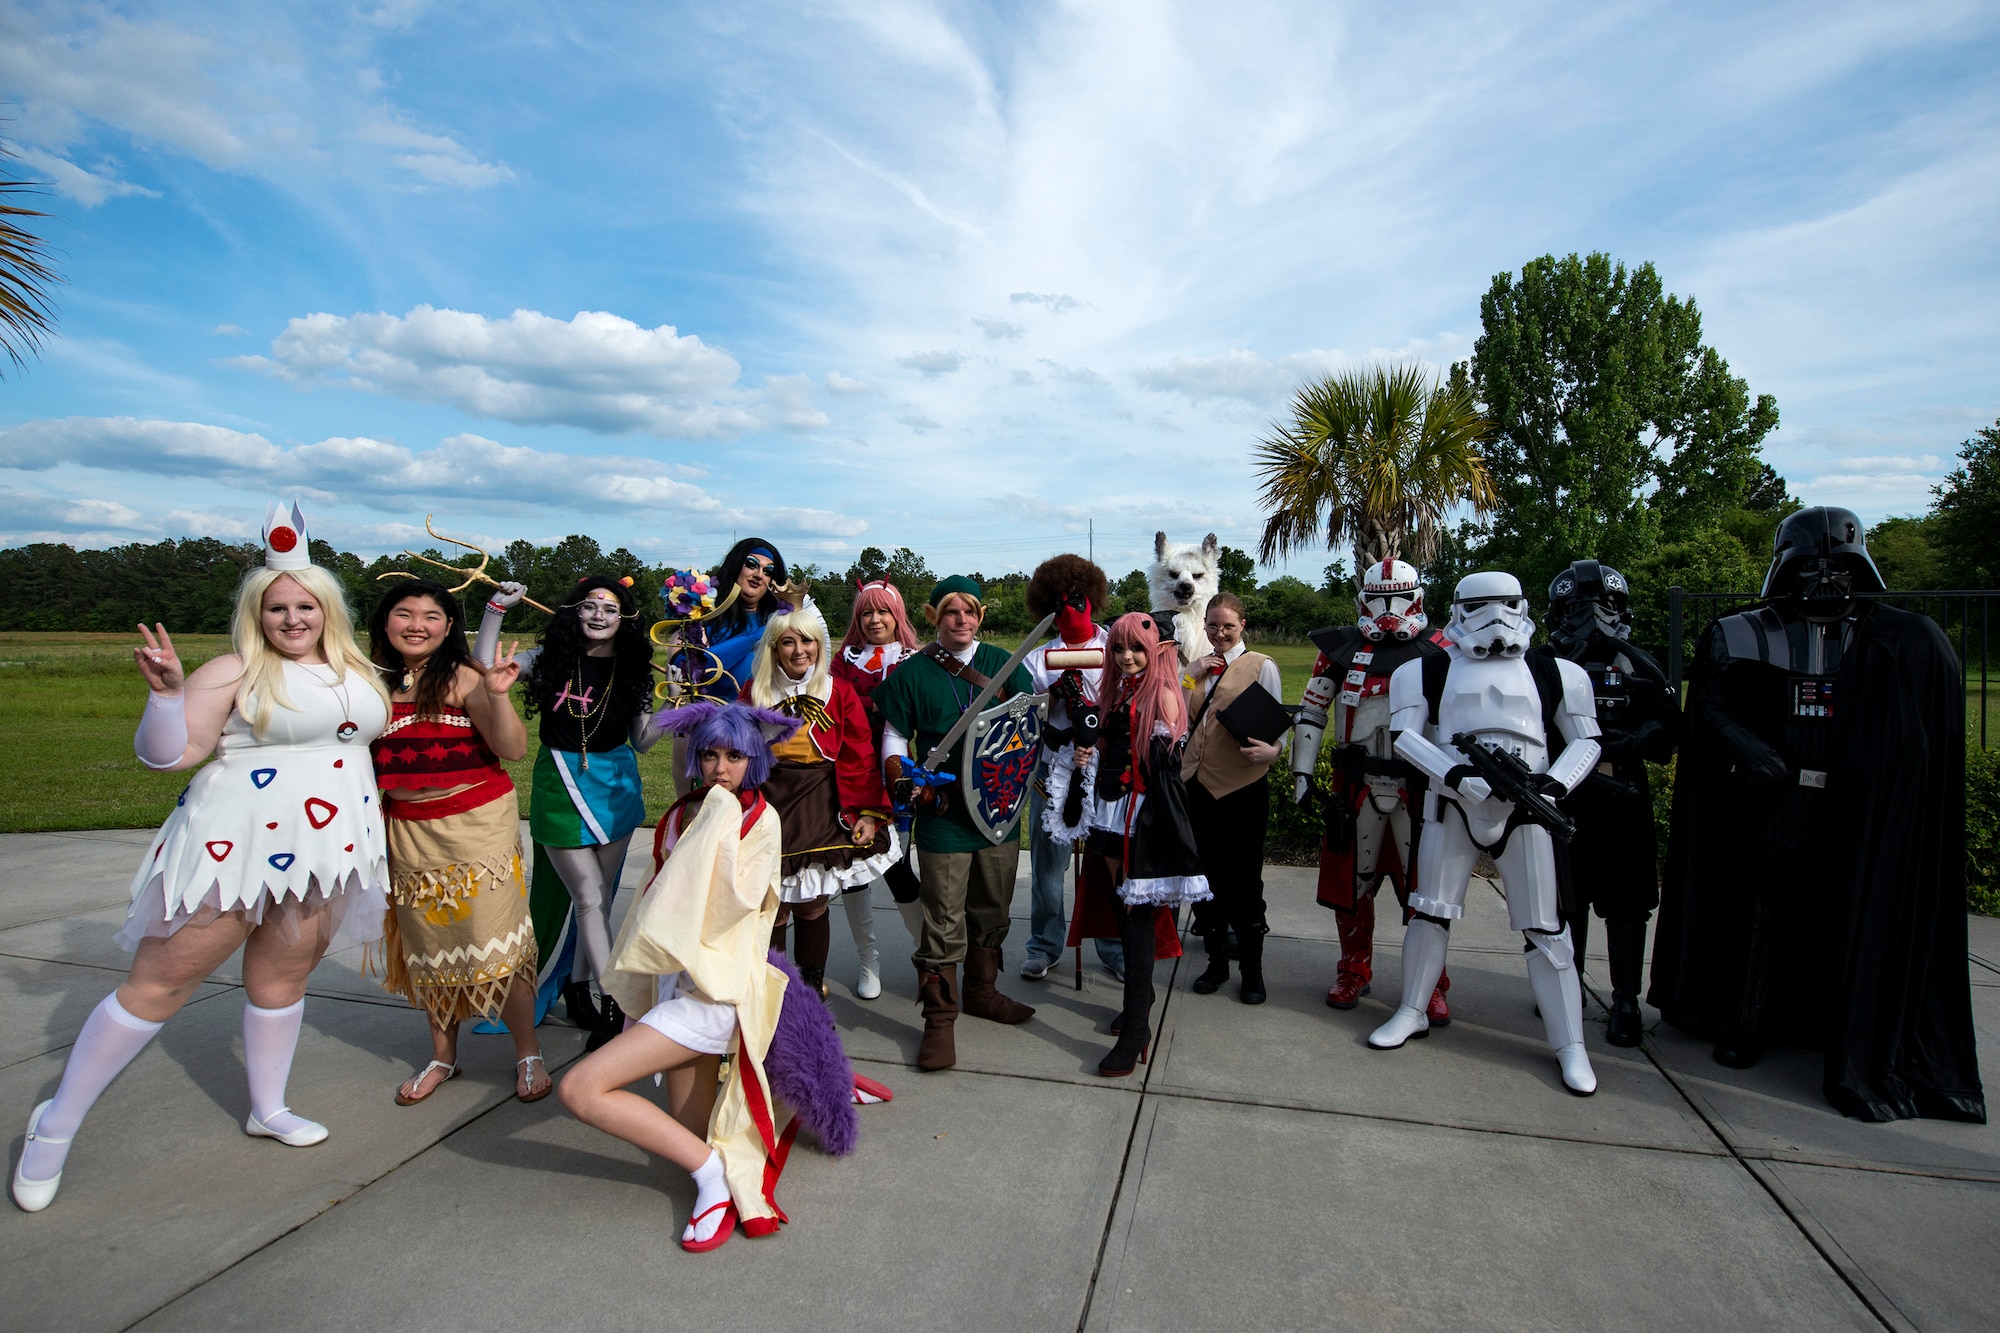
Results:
1489 616
1391 605
1589 600
1819 562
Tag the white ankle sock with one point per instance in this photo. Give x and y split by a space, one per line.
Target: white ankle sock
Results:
111 1037
270 1036
710 1188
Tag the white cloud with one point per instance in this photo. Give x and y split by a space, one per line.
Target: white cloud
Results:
597 370
918 422
31 512
1082 376
845 384
86 187
437 158
1053 302
385 475
997 328
230 331
932 364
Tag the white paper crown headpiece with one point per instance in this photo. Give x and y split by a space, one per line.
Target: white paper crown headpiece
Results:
286 545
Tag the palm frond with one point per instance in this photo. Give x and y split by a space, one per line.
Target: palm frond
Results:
1376 456
27 311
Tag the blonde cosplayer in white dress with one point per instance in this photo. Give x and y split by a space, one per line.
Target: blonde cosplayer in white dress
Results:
289 823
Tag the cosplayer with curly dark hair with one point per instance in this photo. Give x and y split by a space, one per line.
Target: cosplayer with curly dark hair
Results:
1076 590
591 682
458 942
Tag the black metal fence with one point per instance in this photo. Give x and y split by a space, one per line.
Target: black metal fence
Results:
1965 615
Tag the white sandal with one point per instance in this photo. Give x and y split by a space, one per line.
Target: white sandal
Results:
522 1064
450 1072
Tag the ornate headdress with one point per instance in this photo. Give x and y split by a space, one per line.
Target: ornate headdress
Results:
286 545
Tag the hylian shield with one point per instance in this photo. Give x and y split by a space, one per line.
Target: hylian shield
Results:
1001 748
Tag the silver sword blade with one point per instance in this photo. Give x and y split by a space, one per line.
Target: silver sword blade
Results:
942 750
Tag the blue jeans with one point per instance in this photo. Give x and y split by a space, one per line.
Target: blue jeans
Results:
1048 860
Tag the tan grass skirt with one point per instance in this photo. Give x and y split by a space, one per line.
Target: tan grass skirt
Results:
458 930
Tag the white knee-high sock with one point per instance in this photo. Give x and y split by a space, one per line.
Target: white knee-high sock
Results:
270 1036
711 1187
110 1039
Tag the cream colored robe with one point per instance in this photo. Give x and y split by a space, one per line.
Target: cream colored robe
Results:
709 913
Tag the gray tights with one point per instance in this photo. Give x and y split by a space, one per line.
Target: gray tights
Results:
589 873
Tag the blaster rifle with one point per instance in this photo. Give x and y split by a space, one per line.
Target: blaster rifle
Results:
1512 780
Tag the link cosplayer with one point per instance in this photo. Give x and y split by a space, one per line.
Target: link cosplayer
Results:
1369 830
1486 689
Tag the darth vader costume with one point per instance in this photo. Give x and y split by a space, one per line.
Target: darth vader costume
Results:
1613 862
1815 885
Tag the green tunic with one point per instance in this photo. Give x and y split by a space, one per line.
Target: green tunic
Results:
921 700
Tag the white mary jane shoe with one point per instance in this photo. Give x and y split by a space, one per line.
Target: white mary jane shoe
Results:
1403 1025
1578 1076
306 1135
35 1195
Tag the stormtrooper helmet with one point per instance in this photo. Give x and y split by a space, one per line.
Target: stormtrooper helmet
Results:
1588 600
1489 616
1391 605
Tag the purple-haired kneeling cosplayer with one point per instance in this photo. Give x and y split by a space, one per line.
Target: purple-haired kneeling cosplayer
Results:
693 962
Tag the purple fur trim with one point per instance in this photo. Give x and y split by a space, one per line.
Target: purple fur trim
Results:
808 1069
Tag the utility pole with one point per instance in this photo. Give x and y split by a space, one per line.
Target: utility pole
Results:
1093 541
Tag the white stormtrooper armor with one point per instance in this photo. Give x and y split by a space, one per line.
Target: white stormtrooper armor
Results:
1490 691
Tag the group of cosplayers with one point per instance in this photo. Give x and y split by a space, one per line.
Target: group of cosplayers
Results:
1814 876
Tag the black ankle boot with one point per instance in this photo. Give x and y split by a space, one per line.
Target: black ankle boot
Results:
580 1004
1738 1050
610 1023
815 977
1251 942
1626 1026
1217 970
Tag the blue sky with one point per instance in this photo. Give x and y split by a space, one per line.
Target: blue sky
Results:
959 277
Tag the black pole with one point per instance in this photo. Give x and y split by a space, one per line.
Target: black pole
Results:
1674 612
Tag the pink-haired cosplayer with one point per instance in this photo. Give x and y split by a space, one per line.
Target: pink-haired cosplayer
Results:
1135 823
879 638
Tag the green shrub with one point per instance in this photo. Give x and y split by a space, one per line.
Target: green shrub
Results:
1982 830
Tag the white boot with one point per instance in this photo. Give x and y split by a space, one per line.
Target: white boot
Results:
913 921
1552 972
861 920
1424 944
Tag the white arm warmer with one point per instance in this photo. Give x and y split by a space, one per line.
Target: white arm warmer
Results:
162 737
893 743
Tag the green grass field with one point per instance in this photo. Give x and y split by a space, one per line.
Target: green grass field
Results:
69 703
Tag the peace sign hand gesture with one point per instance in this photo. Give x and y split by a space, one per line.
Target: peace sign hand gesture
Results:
500 677
158 662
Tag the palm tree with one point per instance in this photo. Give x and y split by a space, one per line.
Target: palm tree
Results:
26 275
1377 456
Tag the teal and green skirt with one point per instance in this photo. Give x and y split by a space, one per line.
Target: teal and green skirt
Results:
575 806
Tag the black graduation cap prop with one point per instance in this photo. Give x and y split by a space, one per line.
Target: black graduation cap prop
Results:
1255 715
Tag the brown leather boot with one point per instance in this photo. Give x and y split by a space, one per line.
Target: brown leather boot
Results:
982 998
937 992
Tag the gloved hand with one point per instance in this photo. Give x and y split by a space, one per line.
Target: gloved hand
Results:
1550 787
1302 786
507 595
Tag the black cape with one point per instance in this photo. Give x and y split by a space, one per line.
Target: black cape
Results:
1870 948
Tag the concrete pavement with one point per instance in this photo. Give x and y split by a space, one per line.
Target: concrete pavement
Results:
1265 1170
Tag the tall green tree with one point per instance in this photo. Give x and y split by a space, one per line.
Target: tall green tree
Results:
1617 429
1236 572
1965 515
27 275
1375 457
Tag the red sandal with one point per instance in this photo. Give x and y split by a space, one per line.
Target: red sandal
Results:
722 1233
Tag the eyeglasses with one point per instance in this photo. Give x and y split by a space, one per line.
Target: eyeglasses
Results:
598 609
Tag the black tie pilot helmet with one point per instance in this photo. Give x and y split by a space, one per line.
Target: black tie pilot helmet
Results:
1588 600
1819 562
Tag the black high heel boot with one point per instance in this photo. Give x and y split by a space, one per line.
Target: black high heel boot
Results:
1251 941
580 1005
1135 1032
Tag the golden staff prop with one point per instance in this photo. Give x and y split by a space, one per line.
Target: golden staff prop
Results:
476 574
667 634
